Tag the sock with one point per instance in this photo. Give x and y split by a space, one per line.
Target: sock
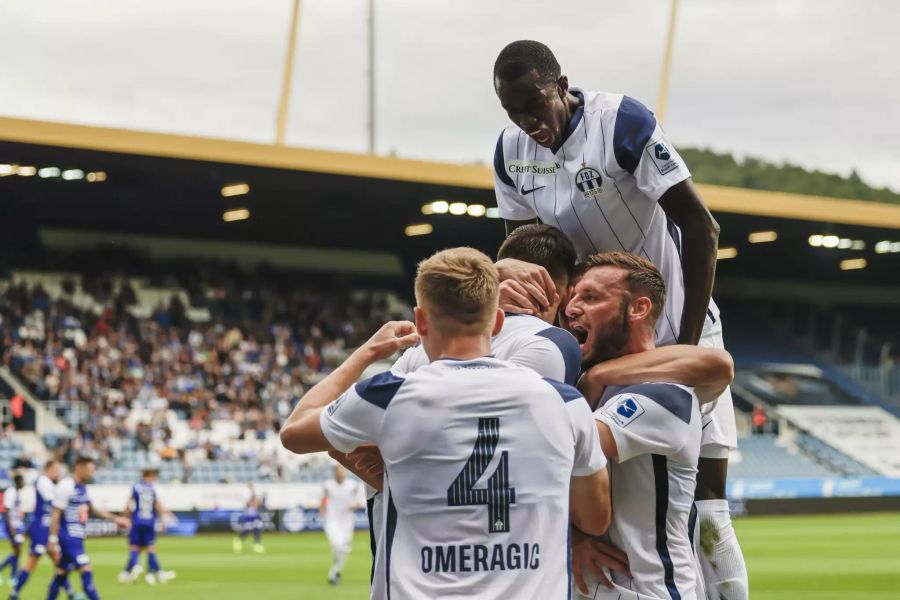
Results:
55 584
14 571
67 586
257 534
21 580
9 560
152 563
132 560
87 584
244 533
724 570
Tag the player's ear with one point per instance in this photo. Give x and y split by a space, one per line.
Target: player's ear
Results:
640 309
562 86
498 322
421 320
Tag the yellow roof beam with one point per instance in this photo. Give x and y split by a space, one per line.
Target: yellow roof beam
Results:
719 198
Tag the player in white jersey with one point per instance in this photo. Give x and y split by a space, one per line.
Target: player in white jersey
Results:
599 167
485 461
339 501
651 432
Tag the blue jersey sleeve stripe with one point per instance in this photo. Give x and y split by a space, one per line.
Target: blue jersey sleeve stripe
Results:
674 399
499 164
568 348
380 389
634 126
565 391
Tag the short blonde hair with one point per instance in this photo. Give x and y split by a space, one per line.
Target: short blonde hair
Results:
459 288
643 278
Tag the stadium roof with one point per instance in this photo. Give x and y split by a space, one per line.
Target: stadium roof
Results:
169 185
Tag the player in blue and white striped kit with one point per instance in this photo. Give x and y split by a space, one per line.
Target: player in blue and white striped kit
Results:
15 524
250 522
71 508
39 529
145 508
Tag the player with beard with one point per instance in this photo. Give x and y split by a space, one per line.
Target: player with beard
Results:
650 431
599 167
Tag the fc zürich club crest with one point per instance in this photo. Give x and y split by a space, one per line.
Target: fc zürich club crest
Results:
589 182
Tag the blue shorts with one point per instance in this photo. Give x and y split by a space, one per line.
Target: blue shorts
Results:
142 535
250 521
72 554
38 537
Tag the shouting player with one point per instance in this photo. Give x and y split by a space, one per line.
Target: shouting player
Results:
71 508
39 529
338 504
14 521
483 459
599 167
650 431
145 508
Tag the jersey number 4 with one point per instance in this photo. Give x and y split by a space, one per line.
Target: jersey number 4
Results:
498 496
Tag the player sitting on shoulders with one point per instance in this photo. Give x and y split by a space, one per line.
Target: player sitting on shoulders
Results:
145 508
485 461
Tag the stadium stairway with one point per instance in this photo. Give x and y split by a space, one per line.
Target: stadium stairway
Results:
45 421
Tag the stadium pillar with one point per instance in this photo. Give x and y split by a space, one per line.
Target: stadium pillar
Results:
667 65
287 76
371 59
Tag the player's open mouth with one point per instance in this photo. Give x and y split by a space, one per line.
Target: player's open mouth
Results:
541 136
580 332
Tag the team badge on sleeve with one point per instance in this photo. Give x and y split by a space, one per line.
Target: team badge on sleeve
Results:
625 411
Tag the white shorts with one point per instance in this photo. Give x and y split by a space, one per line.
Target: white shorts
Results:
601 592
340 536
719 429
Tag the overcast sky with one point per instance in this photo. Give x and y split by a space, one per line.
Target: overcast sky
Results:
814 82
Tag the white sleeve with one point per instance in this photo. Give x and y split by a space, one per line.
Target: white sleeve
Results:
9 498
589 457
45 487
641 148
410 360
355 418
552 353
65 489
513 206
644 423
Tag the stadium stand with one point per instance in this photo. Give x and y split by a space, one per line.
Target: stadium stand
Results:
194 375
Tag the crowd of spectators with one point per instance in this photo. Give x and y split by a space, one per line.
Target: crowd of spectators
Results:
258 343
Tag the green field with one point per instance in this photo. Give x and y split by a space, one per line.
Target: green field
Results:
797 558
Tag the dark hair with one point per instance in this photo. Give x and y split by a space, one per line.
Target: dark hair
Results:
523 56
643 277
542 245
50 463
83 460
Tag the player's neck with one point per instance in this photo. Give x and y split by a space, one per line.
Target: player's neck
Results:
461 348
640 342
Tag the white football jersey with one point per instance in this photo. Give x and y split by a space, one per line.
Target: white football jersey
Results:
601 188
524 340
657 431
478 458
341 499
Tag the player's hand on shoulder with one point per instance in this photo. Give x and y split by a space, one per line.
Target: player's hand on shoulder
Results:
390 339
535 284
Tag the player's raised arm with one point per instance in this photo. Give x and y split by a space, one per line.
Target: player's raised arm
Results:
708 370
302 432
699 243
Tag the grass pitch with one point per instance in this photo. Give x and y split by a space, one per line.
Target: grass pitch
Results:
797 558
